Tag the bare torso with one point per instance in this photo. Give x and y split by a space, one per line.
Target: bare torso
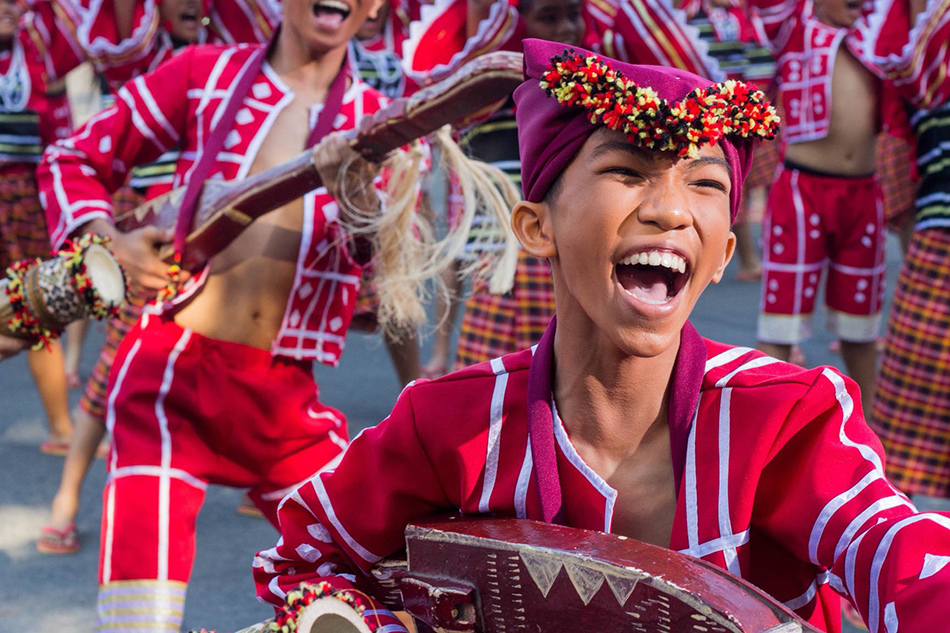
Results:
849 148
646 494
246 292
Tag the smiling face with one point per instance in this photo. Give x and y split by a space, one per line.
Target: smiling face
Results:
840 13
324 25
633 237
182 18
9 19
554 20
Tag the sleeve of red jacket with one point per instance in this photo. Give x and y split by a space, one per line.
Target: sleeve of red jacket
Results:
78 175
824 495
775 19
49 38
338 524
651 32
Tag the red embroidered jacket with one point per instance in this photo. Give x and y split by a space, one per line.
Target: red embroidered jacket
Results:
175 105
68 32
780 481
804 50
914 59
647 32
31 114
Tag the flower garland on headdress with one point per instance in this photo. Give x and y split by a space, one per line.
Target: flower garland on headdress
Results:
25 322
702 117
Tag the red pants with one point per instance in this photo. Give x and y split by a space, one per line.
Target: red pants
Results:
817 221
186 411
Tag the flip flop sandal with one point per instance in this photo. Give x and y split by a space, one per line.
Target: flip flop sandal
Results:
57 448
58 542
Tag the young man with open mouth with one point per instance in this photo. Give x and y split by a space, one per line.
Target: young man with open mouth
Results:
623 419
216 385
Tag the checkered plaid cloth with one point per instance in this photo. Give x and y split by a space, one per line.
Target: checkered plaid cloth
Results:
23 233
912 405
894 158
495 325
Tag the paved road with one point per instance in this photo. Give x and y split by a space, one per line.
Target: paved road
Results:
43 593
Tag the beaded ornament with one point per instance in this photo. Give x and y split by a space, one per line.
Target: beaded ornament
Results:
702 117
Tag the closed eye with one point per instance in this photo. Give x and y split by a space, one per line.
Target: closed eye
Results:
622 171
712 184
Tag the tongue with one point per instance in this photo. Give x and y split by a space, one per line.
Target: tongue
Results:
331 20
643 282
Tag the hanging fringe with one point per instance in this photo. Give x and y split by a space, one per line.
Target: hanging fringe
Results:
408 258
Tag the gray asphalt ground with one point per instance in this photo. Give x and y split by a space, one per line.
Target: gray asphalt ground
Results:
47 593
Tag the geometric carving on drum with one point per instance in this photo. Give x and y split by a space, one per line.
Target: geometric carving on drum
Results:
543 568
505 575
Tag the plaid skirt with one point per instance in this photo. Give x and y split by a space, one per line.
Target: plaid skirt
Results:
495 325
23 233
894 159
912 406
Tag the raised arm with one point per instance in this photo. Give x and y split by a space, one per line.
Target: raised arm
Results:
337 525
825 496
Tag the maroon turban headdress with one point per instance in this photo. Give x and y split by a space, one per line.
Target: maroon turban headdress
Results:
570 92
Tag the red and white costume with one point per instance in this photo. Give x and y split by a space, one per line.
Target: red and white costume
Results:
813 219
648 32
166 434
66 33
779 481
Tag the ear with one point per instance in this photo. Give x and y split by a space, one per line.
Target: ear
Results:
727 257
531 224
374 11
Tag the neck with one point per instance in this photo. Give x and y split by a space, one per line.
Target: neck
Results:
298 64
609 400
6 44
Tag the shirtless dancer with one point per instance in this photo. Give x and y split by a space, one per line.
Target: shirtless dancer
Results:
623 419
219 388
825 202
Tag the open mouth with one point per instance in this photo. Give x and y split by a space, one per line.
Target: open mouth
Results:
652 276
854 5
331 13
189 16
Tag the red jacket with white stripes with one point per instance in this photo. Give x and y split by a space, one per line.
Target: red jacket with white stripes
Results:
780 481
175 105
65 33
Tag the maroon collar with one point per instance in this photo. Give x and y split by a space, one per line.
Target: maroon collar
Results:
687 379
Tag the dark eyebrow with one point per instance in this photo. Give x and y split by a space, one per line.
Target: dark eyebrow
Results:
620 146
638 152
709 160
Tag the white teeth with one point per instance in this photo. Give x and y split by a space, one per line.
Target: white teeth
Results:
656 258
333 4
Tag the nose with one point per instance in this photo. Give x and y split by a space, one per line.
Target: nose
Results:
666 210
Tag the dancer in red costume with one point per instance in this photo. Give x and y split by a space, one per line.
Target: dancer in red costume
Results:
825 205
33 113
195 398
623 418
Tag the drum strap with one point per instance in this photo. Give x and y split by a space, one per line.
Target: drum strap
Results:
200 170
687 380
